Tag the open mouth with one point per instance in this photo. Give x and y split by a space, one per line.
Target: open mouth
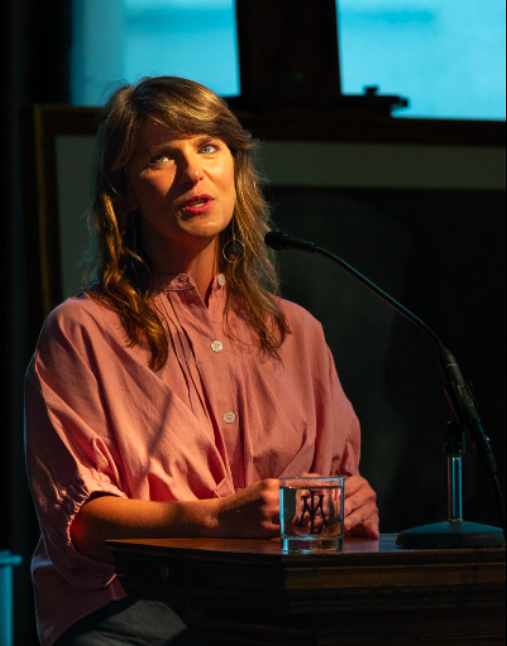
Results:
200 200
198 205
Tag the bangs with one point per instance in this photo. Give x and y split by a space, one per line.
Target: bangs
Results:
188 109
181 124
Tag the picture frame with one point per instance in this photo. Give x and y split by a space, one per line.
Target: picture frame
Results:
61 134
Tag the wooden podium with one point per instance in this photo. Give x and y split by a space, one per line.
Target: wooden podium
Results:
250 593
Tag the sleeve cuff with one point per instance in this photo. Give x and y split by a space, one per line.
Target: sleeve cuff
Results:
71 502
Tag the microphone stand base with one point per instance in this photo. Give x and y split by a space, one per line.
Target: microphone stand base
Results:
451 534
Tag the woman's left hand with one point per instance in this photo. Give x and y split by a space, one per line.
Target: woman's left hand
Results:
361 512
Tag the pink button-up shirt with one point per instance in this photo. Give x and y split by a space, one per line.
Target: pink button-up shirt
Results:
217 418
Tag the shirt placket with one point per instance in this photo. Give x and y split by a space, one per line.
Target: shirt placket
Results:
213 357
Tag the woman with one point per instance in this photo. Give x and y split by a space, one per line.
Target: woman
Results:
168 398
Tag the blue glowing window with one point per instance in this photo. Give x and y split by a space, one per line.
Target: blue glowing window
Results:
118 41
191 38
446 56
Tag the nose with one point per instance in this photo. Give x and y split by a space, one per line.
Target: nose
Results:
189 170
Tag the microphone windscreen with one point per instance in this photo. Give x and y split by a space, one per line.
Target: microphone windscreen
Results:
275 240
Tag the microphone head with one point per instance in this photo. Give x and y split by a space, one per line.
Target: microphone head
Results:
276 240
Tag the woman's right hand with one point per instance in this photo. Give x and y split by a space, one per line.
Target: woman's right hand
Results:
253 512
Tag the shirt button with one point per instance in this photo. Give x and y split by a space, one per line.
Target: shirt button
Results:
217 346
230 418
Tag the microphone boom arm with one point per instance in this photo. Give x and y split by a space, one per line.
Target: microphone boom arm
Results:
281 241
460 394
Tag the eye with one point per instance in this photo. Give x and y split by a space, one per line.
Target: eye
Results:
159 159
209 149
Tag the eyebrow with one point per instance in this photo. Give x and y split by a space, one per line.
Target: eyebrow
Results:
156 148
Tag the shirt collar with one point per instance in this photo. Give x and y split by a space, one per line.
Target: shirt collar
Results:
183 282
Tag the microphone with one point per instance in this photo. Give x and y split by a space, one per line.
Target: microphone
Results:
279 241
459 393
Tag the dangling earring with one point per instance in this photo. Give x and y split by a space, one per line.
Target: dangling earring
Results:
233 250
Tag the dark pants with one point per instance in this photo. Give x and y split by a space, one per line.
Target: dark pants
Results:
130 623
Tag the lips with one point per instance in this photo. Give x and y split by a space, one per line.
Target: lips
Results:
197 205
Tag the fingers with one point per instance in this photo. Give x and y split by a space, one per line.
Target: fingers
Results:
253 512
270 501
363 523
270 492
361 512
358 494
354 484
372 528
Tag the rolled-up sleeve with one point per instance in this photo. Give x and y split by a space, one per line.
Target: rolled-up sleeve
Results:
69 456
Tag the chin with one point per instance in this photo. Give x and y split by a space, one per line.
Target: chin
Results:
205 229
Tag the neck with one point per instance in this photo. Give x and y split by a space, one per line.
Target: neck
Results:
198 260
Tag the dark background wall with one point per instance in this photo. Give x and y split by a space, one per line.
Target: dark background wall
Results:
35 41
441 253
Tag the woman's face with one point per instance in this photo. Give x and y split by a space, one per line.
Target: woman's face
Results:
184 187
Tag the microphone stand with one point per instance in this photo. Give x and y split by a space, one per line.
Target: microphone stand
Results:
455 532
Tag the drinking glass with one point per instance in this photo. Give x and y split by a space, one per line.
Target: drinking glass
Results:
312 514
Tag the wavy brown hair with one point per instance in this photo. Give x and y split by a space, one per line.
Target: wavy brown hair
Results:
119 273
